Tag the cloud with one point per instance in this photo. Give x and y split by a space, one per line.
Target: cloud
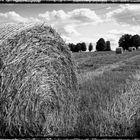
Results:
82 15
67 22
125 14
31 19
66 39
67 31
54 15
70 30
12 17
120 32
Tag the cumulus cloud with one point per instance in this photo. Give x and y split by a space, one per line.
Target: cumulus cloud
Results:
67 31
31 19
70 30
66 39
54 15
12 17
82 15
126 14
66 22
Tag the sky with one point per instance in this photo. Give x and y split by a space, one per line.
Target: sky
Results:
79 22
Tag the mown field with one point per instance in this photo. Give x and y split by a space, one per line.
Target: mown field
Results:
109 100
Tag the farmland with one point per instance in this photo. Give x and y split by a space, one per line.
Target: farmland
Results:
93 60
107 102
109 86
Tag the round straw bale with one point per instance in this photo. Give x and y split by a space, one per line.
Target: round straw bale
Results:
38 84
133 48
130 49
138 48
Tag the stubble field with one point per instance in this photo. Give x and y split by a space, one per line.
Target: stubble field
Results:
109 87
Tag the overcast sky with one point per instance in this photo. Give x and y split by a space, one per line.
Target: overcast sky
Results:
79 22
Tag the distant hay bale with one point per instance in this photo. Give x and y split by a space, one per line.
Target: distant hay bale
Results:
130 49
119 50
38 83
138 48
134 48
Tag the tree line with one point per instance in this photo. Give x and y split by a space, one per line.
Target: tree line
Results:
77 47
101 45
125 41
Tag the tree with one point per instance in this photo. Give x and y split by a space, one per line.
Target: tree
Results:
100 45
125 41
78 46
90 47
83 46
135 40
108 46
73 47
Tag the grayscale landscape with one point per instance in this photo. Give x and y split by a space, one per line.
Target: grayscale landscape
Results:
69 70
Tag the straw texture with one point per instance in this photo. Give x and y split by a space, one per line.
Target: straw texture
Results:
38 83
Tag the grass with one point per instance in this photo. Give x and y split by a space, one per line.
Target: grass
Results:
109 103
90 61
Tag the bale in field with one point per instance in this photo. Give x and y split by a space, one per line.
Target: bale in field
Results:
119 50
133 48
138 48
130 49
38 84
